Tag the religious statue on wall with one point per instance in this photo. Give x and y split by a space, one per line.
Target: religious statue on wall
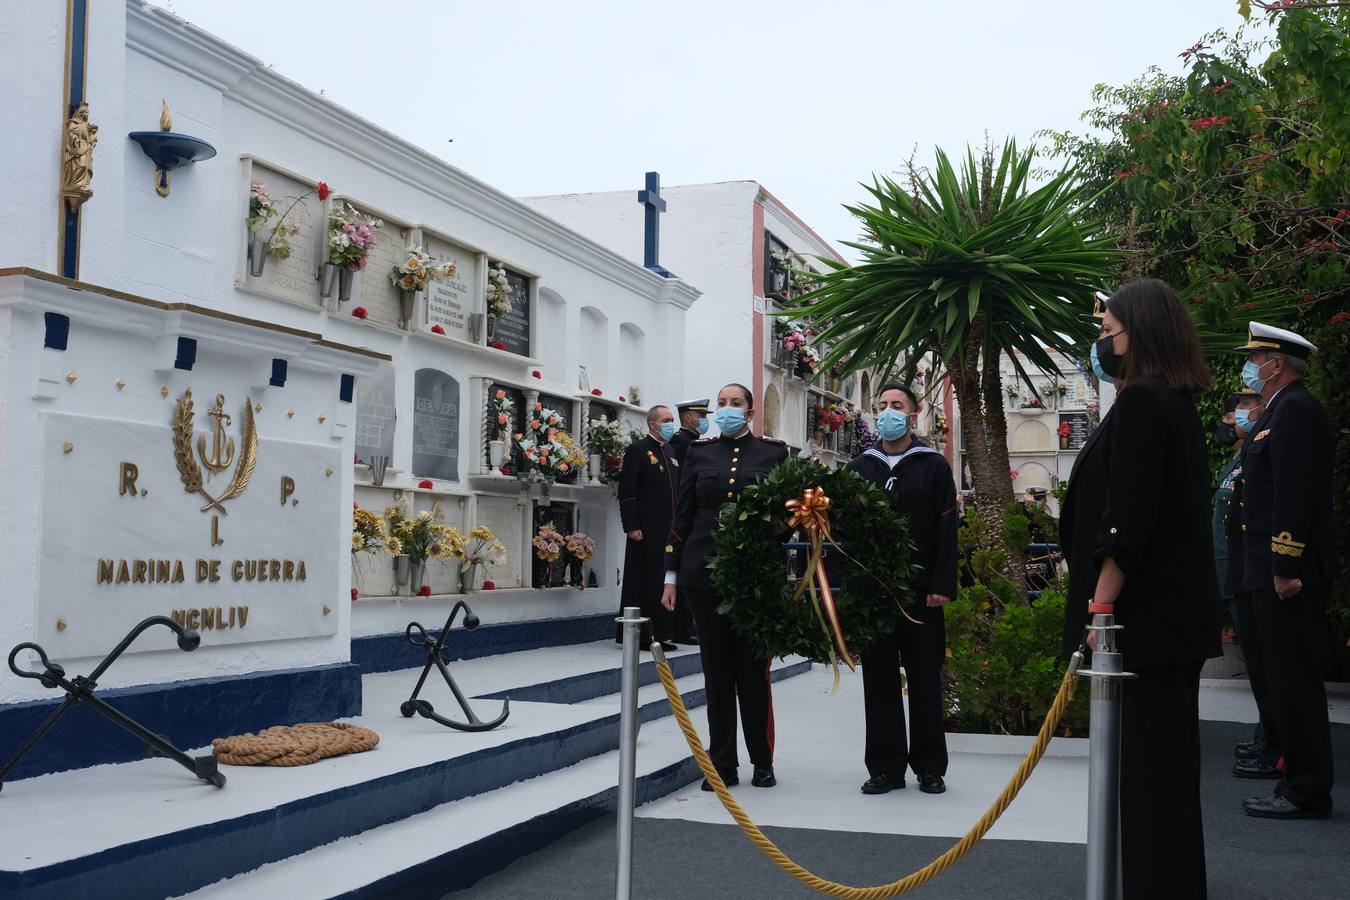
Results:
77 157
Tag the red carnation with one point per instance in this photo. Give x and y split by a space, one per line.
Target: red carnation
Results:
1340 317
424 591
354 593
425 483
623 399
497 345
536 374
506 470
436 329
595 391
360 312
323 191
489 585
356 458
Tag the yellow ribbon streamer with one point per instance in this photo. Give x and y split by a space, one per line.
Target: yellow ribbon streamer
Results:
812 514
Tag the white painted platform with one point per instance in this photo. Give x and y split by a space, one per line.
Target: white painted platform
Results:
819 764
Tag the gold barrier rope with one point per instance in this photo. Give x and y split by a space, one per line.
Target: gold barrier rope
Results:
895 888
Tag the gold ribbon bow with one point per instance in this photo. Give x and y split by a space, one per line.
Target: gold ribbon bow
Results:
812 514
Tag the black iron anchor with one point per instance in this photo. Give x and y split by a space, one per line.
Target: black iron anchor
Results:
435 651
80 689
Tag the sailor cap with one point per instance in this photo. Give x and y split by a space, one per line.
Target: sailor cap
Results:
694 406
1278 340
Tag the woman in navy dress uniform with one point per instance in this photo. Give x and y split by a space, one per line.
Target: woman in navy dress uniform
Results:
1136 534
713 473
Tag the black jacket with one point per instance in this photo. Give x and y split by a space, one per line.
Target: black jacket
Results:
646 503
713 473
920 486
1285 514
1139 493
679 444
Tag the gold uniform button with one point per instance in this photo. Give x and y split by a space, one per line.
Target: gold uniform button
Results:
731 481
1244 526
730 495
733 468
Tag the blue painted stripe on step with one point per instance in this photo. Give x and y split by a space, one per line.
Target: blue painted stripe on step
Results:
391 652
589 685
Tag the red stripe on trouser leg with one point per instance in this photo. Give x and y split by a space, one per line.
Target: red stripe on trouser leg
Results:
768 689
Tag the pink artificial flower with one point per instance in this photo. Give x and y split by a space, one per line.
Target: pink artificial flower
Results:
501 395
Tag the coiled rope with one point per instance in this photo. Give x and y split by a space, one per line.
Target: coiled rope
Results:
900 886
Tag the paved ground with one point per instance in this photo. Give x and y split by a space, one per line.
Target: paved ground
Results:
682 849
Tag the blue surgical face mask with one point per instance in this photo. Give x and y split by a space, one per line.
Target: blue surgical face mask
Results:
730 419
703 425
668 430
1097 367
1242 419
892 424
1251 375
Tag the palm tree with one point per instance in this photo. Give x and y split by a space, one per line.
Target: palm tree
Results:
964 266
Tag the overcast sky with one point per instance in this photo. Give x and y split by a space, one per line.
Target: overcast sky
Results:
808 98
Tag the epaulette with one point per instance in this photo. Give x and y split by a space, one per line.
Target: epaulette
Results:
708 440
770 440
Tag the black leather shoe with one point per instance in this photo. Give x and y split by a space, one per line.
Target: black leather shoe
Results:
932 784
1254 768
763 777
1248 750
730 779
883 784
1276 807
668 646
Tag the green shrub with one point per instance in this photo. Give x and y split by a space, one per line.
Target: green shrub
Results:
1003 668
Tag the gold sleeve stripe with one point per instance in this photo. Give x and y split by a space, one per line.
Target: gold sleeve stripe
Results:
1284 544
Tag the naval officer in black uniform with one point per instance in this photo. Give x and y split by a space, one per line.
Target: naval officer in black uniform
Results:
713 474
693 415
646 504
1289 562
918 483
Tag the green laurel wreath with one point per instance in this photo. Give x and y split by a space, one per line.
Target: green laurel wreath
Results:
749 567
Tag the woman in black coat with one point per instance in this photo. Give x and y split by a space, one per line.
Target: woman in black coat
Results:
714 472
1136 534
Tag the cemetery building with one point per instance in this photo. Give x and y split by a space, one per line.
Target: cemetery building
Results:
231 310
740 244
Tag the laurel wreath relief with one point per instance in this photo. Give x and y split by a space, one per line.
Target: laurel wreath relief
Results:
191 473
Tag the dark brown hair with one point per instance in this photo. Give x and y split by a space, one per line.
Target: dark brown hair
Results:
902 388
1164 342
749 397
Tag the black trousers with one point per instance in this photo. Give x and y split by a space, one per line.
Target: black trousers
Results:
1298 698
732 674
1251 640
921 649
684 617
1162 837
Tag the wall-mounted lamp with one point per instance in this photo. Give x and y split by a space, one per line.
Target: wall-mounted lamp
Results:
169 150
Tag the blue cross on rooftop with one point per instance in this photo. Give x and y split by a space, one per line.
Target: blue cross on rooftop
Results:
651 198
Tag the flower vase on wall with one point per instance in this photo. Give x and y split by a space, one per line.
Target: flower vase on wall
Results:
402 571
491 327
1064 442
407 307
595 468
345 278
496 453
468 579
257 254
328 279
417 576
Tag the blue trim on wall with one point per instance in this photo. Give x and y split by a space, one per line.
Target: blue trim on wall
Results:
185 356
191 713
391 652
278 378
56 334
79 37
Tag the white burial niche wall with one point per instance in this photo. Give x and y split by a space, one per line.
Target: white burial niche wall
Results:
186 464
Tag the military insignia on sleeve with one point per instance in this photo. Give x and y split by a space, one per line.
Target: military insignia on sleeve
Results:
651 457
1285 545
1262 435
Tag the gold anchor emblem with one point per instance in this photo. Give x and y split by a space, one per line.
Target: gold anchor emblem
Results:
188 469
221 442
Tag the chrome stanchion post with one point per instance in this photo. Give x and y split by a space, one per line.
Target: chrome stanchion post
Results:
1103 836
632 622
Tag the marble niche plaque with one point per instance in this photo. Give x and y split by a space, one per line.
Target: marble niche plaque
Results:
381 297
122 539
450 301
297 206
502 515
512 332
435 425
376 412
